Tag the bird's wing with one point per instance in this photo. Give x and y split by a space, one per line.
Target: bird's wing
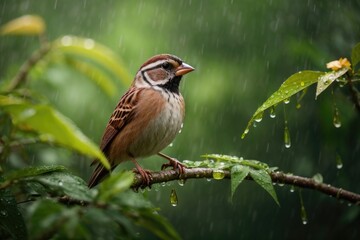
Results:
122 114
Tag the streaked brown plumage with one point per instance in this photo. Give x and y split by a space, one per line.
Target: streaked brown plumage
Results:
147 117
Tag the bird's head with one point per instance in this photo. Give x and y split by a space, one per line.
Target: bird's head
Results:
162 71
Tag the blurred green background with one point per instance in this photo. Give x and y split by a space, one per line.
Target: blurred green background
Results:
242 52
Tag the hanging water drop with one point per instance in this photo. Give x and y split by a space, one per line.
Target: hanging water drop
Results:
287 100
218 174
272 112
303 215
181 182
60 183
336 119
287 139
259 117
339 163
292 189
173 198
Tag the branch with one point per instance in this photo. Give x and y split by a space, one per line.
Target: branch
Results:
26 67
355 95
277 177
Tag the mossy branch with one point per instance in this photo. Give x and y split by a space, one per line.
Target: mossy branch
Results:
277 177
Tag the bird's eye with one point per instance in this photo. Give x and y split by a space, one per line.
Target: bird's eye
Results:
166 65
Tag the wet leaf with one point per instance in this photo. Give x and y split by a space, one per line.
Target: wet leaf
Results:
238 174
327 79
90 49
263 178
290 87
11 219
117 183
157 225
64 183
355 55
25 25
32 171
50 125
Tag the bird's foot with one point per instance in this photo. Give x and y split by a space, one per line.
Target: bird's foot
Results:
145 175
175 164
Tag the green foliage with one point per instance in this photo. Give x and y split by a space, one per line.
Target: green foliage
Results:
58 204
239 169
51 126
301 81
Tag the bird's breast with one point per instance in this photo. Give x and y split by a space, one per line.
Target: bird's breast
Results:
163 126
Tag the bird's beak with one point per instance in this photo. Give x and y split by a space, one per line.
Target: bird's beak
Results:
183 69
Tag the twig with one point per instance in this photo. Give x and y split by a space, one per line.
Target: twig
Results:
277 177
26 67
355 95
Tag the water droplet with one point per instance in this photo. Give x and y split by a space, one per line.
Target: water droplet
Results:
60 183
272 112
298 106
163 184
292 189
208 179
287 101
287 138
3 213
302 83
218 174
281 184
303 215
173 198
171 145
181 182
336 119
259 117
339 163
318 178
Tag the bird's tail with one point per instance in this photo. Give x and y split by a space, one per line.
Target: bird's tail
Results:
98 175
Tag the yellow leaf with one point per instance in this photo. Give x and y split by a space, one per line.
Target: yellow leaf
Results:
25 25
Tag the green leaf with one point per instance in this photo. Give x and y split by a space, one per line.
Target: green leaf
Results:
157 225
25 25
32 171
328 78
98 76
263 178
50 125
115 184
64 183
11 219
294 84
355 55
238 174
98 53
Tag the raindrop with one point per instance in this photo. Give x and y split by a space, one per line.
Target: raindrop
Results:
318 178
218 174
208 179
272 112
292 189
60 183
302 83
181 182
339 163
298 106
280 184
287 100
259 117
171 145
287 139
173 198
3 213
303 215
245 132
336 119
163 184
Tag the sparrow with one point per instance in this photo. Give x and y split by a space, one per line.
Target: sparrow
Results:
146 119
